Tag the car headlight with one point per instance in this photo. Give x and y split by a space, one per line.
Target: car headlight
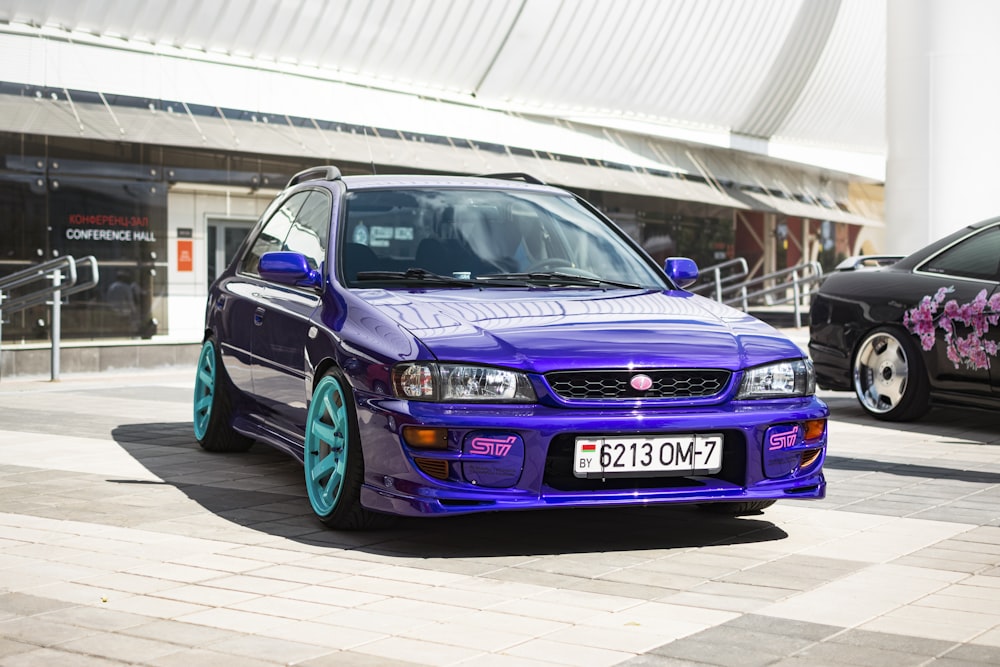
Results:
781 380
427 381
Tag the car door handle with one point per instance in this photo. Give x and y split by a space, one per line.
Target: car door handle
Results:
258 317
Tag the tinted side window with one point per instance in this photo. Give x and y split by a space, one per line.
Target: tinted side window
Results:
308 234
274 232
976 257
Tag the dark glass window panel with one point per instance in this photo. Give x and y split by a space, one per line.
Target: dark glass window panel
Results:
978 257
311 229
272 236
121 222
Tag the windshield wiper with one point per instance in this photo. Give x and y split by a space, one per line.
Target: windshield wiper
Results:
415 275
559 278
496 279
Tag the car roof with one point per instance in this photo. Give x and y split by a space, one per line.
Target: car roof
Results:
329 174
379 181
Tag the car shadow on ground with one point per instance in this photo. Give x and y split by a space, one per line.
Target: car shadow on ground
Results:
965 424
263 489
957 426
919 470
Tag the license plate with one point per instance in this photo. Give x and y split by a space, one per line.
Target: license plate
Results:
648 455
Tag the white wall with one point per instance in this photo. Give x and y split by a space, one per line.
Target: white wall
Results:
190 206
943 116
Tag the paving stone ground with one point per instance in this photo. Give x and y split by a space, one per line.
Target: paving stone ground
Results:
122 542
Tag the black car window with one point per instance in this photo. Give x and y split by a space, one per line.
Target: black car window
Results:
272 235
977 256
310 230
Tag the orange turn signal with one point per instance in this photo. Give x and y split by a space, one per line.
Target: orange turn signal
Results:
425 437
814 429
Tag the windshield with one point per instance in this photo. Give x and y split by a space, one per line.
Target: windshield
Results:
479 236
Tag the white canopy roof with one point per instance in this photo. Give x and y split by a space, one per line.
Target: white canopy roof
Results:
806 72
614 82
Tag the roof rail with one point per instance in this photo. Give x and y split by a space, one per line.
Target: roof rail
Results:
325 173
516 176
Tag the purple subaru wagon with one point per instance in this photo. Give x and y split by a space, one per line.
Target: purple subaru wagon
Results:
434 345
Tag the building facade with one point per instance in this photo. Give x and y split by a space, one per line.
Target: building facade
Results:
163 221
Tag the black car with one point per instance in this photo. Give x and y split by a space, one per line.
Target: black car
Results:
924 329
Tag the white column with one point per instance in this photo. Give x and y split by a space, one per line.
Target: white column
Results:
943 118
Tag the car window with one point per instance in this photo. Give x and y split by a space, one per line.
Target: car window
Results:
309 232
272 235
484 233
978 256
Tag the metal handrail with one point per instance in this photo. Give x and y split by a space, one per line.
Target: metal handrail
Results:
718 281
67 287
61 285
32 274
774 288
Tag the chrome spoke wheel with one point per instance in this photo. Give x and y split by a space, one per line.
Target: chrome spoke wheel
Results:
881 371
889 377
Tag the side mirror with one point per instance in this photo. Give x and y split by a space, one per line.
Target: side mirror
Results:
681 270
289 268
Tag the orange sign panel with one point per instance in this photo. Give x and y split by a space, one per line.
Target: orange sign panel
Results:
185 255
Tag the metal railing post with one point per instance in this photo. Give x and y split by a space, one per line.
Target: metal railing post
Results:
61 273
2 297
795 297
719 283
774 288
56 323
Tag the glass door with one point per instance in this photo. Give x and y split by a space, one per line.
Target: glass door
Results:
224 236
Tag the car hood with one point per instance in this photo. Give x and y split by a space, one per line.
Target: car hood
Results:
542 331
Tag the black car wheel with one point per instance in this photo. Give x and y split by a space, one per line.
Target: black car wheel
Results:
889 377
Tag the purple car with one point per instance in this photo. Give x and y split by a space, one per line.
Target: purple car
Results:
434 345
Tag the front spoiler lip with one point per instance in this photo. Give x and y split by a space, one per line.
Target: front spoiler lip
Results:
809 487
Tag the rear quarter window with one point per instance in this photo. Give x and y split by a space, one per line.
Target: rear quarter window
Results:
977 257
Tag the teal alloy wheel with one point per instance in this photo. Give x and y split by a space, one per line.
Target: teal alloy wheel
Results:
212 408
334 464
326 446
204 390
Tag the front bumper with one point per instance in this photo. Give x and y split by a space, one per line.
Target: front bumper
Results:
406 481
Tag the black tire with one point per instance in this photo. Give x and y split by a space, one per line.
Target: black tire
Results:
212 404
332 458
737 509
889 377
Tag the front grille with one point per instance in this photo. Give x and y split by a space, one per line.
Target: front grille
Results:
615 385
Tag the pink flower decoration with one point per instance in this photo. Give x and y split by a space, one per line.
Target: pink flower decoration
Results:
976 316
953 356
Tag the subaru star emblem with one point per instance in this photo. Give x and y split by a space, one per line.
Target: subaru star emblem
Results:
641 382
